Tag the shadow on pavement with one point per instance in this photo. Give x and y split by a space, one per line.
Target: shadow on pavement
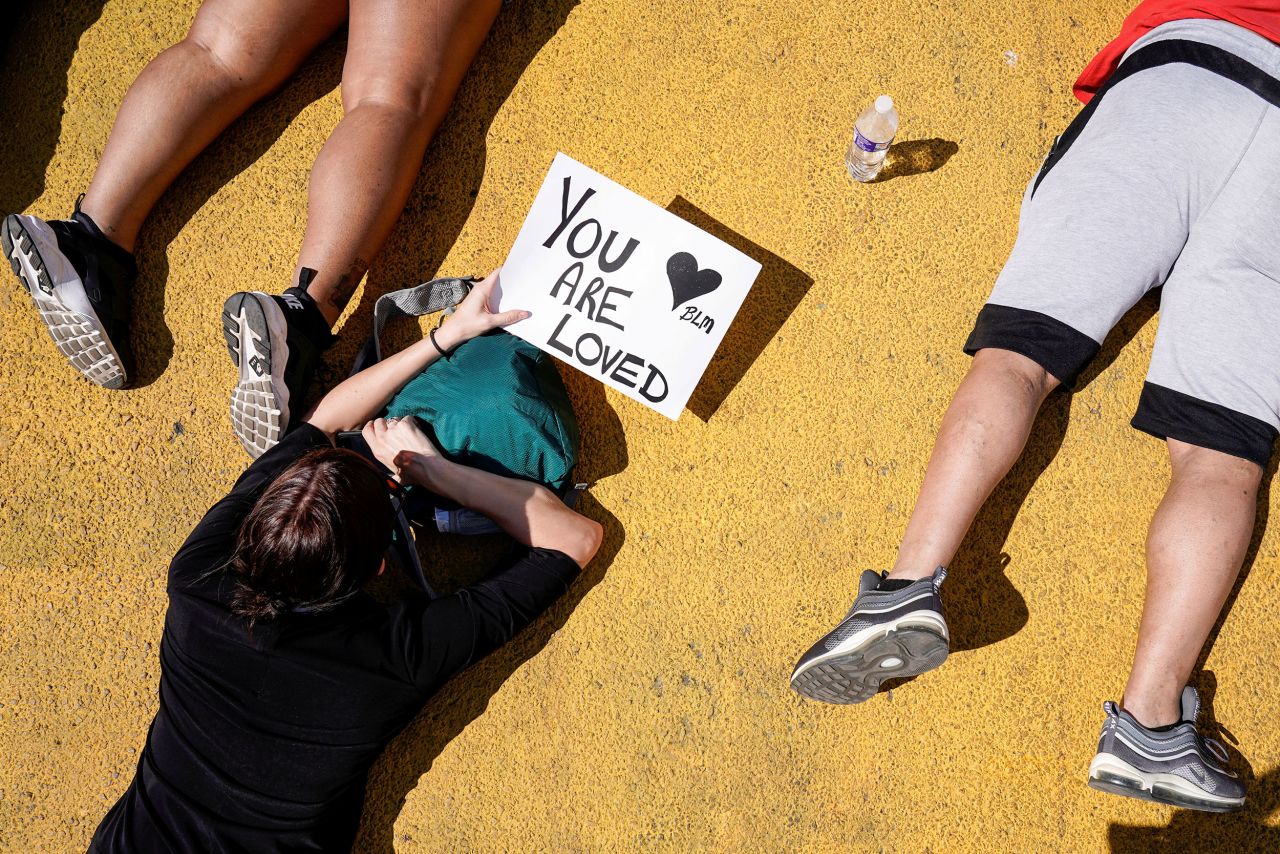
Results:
1190 831
777 291
452 562
982 604
37 43
915 157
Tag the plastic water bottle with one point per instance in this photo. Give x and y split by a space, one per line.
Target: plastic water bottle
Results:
470 523
463 521
872 133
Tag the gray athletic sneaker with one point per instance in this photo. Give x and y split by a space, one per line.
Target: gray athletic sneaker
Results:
275 343
1177 766
887 634
79 282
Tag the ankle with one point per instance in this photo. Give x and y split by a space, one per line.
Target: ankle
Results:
308 315
105 227
1152 711
909 573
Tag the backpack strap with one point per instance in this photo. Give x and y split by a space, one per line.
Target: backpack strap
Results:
427 298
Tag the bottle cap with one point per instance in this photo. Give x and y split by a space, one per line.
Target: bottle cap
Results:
884 104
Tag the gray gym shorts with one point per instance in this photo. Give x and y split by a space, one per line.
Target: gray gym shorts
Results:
1169 177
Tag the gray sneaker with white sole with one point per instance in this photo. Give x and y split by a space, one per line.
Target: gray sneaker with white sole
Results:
1174 765
79 282
887 634
275 342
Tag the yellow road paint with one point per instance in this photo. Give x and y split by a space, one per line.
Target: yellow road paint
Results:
652 711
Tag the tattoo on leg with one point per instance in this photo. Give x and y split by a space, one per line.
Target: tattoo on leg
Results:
347 283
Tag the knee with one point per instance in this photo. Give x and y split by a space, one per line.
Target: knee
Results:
1194 460
232 55
1016 369
393 92
407 76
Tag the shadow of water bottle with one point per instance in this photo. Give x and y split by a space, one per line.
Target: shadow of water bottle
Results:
915 157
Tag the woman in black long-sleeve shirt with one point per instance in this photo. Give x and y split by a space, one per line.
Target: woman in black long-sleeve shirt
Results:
280 681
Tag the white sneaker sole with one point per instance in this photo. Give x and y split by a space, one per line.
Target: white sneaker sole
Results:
58 293
256 334
853 671
1109 773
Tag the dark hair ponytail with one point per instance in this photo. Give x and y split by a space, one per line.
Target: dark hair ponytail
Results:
255 605
313 538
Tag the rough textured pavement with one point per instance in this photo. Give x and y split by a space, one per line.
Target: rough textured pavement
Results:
651 710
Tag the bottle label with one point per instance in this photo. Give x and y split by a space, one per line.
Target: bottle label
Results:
866 144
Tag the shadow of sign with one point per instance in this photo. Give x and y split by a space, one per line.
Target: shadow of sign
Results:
915 157
774 296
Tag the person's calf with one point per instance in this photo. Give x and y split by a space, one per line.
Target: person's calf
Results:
198 86
981 436
1197 542
358 188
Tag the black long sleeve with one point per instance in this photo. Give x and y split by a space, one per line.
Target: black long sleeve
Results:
443 636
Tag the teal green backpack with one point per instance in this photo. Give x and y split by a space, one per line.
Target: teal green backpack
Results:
497 403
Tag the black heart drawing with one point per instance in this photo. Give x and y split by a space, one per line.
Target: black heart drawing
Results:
687 281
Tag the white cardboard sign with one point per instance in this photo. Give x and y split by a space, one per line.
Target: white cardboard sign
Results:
621 289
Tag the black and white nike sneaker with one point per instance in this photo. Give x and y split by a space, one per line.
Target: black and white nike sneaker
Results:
1174 765
275 342
891 632
80 282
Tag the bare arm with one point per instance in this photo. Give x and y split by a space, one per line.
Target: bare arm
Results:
357 399
530 513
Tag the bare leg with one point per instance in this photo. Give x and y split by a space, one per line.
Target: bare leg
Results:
236 52
405 61
982 435
1195 546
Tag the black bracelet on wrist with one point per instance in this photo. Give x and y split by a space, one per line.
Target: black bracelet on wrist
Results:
444 354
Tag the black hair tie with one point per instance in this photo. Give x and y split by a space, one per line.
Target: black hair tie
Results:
444 354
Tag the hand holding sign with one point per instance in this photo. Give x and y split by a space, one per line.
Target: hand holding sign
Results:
597 264
475 315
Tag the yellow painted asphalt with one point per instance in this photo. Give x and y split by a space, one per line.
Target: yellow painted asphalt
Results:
651 710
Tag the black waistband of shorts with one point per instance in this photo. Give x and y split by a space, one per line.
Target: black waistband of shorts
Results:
1165 52
1167 413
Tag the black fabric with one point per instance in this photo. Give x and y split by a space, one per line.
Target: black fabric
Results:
1050 343
263 739
306 317
1169 414
305 339
1208 57
108 272
889 585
